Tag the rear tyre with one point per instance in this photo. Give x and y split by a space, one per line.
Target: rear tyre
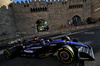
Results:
11 52
65 55
7 54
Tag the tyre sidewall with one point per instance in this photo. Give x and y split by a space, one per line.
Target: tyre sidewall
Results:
10 56
70 55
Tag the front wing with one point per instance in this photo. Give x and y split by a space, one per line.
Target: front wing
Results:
86 53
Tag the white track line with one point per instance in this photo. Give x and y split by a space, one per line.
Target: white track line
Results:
68 34
1 52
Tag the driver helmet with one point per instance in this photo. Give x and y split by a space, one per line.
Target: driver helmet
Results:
41 39
36 38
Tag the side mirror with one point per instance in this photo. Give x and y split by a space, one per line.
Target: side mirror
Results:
65 38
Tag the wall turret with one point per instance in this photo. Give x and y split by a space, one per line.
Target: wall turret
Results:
5 3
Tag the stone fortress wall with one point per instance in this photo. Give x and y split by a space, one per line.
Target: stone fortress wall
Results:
7 26
95 9
28 13
22 17
56 13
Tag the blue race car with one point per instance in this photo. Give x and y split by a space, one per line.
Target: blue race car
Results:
66 49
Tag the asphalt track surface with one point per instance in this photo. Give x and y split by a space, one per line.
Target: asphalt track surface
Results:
90 36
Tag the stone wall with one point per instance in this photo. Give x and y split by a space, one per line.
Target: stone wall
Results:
7 26
87 10
20 18
80 8
25 20
57 15
96 9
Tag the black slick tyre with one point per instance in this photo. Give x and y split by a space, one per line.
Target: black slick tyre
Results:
11 53
65 55
7 54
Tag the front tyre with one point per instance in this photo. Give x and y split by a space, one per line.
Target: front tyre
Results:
65 55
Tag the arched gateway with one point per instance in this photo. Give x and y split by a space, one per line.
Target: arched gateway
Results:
41 25
76 20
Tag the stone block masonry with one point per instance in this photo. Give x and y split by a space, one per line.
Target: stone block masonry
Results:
20 18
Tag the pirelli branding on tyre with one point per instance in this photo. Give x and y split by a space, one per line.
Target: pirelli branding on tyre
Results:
65 55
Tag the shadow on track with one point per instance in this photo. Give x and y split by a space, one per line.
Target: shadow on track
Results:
30 61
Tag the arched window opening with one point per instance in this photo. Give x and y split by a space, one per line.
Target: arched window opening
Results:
27 5
43 9
24 5
36 9
31 10
42 25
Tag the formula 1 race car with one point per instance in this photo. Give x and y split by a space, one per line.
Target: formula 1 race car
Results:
66 49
